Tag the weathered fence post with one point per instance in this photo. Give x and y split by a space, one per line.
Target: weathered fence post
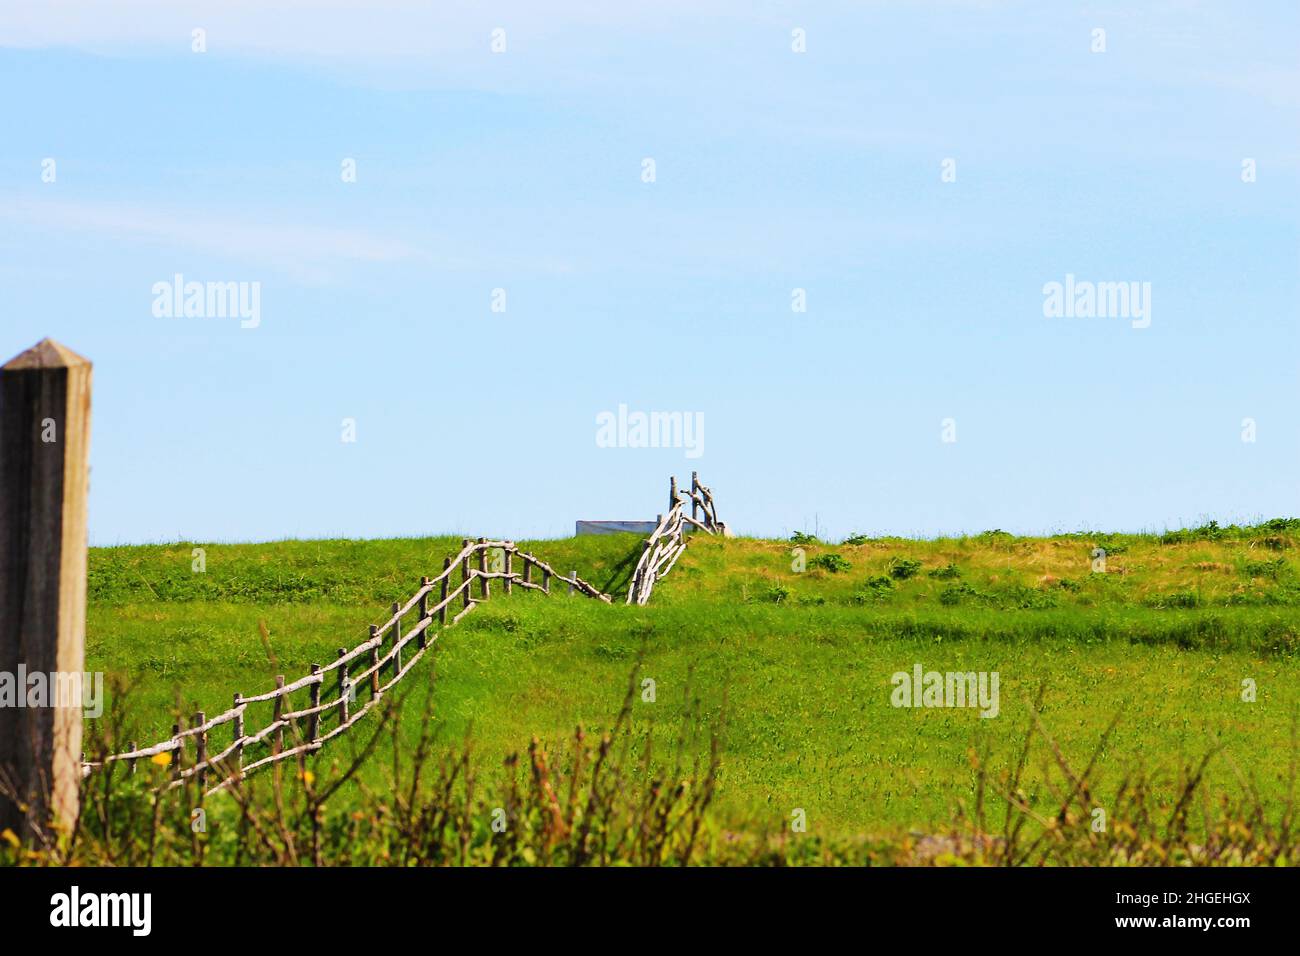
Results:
546 580
344 689
423 640
672 492
397 642
639 575
44 444
482 568
278 745
442 597
374 661
179 752
200 749
464 573
313 720
238 732
508 550
695 504
575 577
528 569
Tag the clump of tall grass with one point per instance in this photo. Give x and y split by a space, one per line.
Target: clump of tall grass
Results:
1061 821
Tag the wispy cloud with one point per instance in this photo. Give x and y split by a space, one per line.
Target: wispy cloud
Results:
302 250
273 239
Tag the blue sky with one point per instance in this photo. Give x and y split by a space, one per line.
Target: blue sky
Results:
775 170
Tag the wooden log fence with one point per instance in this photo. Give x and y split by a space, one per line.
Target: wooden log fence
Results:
377 664
389 653
667 542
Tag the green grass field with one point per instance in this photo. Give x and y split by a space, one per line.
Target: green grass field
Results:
796 664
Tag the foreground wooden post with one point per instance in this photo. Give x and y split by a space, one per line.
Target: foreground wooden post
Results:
44 445
508 549
482 568
672 492
695 505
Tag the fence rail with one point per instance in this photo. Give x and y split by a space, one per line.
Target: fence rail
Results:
363 674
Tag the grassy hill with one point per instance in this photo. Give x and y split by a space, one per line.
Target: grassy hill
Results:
793 666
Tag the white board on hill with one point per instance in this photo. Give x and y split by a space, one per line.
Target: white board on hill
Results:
614 527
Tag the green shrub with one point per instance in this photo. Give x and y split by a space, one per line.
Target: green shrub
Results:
777 593
831 561
856 538
1264 569
1210 531
902 568
803 537
949 572
1281 524
1109 544
876 588
954 593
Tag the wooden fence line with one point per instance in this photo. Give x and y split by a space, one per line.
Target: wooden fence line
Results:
667 542
228 765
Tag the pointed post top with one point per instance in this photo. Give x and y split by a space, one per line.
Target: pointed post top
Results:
46 353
